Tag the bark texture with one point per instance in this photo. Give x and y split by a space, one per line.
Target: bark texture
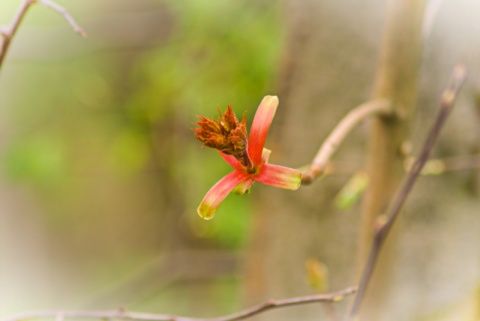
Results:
397 81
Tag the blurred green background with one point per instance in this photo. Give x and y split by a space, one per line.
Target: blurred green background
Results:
100 173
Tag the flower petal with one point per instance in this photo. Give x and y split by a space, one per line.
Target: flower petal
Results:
232 161
265 155
218 192
260 126
279 176
244 187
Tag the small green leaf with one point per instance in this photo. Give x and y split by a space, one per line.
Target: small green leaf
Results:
351 192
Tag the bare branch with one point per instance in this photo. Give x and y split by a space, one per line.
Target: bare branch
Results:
385 222
52 5
340 132
138 316
9 32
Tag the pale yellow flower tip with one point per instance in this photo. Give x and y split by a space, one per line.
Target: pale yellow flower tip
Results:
206 211
270 100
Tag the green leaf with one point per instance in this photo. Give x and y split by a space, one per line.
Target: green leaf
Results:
351 192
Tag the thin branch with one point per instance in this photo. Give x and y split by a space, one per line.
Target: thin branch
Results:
340 132
9 32
385 222
52 5
138 316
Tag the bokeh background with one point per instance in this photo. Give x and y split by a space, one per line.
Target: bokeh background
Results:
100 175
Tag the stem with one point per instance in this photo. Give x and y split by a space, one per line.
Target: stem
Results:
11 30
61 10
340 132
247 313
396 80
384 223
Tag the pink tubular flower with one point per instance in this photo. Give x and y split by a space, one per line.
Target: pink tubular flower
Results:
247 157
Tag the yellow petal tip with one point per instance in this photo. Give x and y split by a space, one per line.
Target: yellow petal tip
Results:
271 100
205 212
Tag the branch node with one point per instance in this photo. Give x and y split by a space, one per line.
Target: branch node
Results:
379 107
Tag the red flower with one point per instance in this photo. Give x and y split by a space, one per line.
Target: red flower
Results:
247 157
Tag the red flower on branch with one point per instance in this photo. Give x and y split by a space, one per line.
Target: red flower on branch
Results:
248 157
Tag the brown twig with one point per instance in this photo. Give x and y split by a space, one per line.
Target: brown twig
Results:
61 10
138 316
385 222
9 32
340 132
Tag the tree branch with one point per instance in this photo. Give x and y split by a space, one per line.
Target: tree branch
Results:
340 132
385 222
9 32
138 316
52 5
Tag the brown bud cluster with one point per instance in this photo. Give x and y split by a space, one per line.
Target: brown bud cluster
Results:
226 134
